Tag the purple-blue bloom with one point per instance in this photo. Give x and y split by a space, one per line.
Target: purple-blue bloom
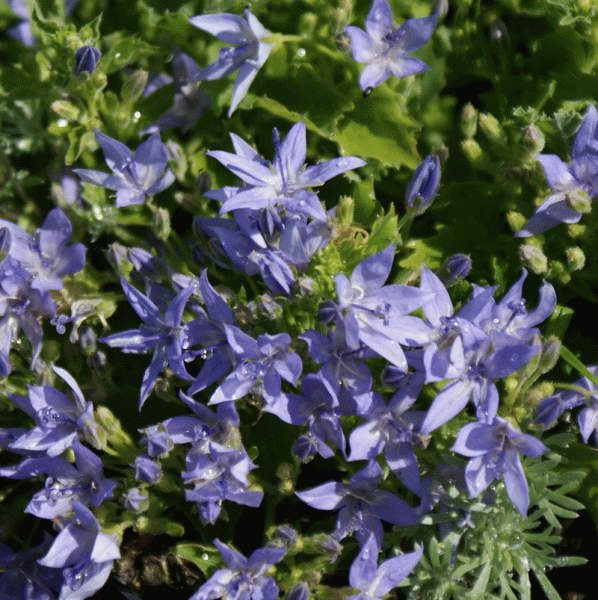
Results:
242 578
494 450
84 553
158 334
574 185
45 255
58 419
247 52
373 581
361 506
282 181
135 176
384 48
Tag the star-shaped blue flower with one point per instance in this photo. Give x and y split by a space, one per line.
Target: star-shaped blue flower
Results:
384 48
247 52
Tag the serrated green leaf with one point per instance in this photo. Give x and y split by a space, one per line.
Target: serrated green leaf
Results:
278 110
125 51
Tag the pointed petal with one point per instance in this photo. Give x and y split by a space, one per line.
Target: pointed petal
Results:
374 74
151 374
558 174
148 312
318 174
414 33
449 402
363 48
248 170
228 28
116 154
378 21
327 496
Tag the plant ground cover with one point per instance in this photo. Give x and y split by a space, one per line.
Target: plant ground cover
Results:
296 299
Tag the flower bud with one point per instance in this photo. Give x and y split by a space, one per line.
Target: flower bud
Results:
516 220
578 200
534 258
550 354
559 272
469 120
300 591
424 183
576 230
86 59
491 128
533 139
576 259
454 269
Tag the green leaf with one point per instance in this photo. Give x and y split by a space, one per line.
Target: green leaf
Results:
206 558
376 129
125 51
278 110
558 322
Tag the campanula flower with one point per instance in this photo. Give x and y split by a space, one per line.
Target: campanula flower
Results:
574 185
282 181
384 48
373 581
247 52
135 176
494 451
158 334
242 578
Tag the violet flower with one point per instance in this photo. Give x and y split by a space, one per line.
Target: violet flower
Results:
494 450
373 581
383 47
45 255
242 578
86 59
84 553
158 334
135 176
247 52
283 181
574 185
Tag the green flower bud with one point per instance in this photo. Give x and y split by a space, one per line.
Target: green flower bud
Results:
576 230
550 354
491 128
534 258
558 271
516 220
533 139
469 120
578 200
576 259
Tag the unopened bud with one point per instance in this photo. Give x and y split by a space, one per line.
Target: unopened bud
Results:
576 259
516 220
300 591
86 59
578 200
576 230
533 139
533 258
491 128
162 223
473 151
469 120
134 85
455 268
550 354
558 271
423 184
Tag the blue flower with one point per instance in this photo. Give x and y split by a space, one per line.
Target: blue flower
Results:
247 52
383 48
134 177
242 578
84 553
494 450
574 185
373 581
158 334
283 181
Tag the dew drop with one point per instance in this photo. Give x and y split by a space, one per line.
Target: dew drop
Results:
62 122
301 52
136 116
204 556
117 55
